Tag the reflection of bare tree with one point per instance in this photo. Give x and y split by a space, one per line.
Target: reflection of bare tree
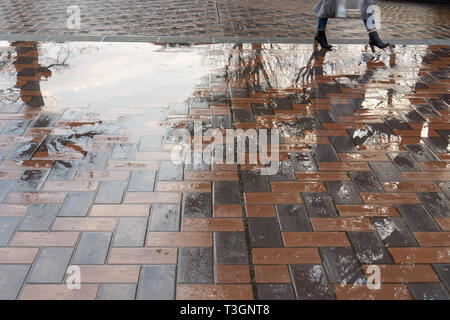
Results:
29 73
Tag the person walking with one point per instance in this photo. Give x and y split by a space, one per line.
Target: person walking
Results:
327 9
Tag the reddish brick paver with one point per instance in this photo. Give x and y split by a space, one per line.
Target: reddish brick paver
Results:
363 176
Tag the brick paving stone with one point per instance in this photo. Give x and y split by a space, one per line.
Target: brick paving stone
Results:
369 247
230 248
92 248
169 171
443 271
113 291
84 224
394 232
319 205
436 203
312 239
255 182
197 205
50 266
18 255
11 279
433 239
342 264
421 255
292 218
109 274
165 217
7 227
285 255
311 283
225 192
264 233
142 256
405 162
343 192
31 180
110 192
120 210
365 181
130 232
157 283
406 273
76 204
214 292
367 211
45 239
278 291
58 292
142 181
428 291
361 292
232 274
272 274
417 218
195 265
39 217
5 186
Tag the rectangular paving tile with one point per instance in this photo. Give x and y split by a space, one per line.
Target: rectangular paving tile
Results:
369 247
343 192
436 203
113 291
405 162
110 192
365 181
123 151
342 264
109 273
443 270
386 171
285 255
150 143
195 265
5 187
76 204
130 232
165 217
8 226
325 153
315 239
39 217
161 277
169 171
293 218
18 255
394 232
45 239
387 292
421 153
319 205
214 292
264 233
31 180
230 248
255 182
310 282
226 192
428 291
50 266
142 181
143 256
11 280
92 248
197 205
58 292
421 255
275 291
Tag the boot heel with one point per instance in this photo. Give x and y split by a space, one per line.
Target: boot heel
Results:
372 47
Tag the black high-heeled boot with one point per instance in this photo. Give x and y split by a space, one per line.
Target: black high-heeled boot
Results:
321 39
375 41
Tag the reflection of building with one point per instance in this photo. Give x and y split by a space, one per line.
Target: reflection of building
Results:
29 73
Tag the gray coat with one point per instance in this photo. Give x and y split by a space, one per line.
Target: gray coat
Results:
327 8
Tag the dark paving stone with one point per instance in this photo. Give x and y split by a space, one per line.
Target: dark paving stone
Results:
319 205
7 227
264 233
178 109
39 217
271 291
386 171
5 187
157 282
77 204
197 205
285 172
130 232
109 291
51 265
199 104
255 182
445 187
280 104
243 115
425 110
445 134
428 291
380 129
343 192
421 153
150 143
31 180
230 248
412 116
417 218
325 153
92 248
436 203
436 144
443 272
94 161
165 217
195 265
262 109
343 109
11 279
22 151
45 120
142 181
63 170
293 218
394 232
405 162
123 151
369 248
226 192
396 124
309 123
221 122
237 92
365 181
110 192
303 162
360 136
169 171
197 166
310 282
342 265
343 144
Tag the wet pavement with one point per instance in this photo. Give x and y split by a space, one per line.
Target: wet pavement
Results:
199 19
86 177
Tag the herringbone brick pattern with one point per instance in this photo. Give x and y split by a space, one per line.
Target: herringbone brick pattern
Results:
86 176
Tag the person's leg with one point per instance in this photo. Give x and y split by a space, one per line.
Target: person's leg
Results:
374 39
322 24
370 27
